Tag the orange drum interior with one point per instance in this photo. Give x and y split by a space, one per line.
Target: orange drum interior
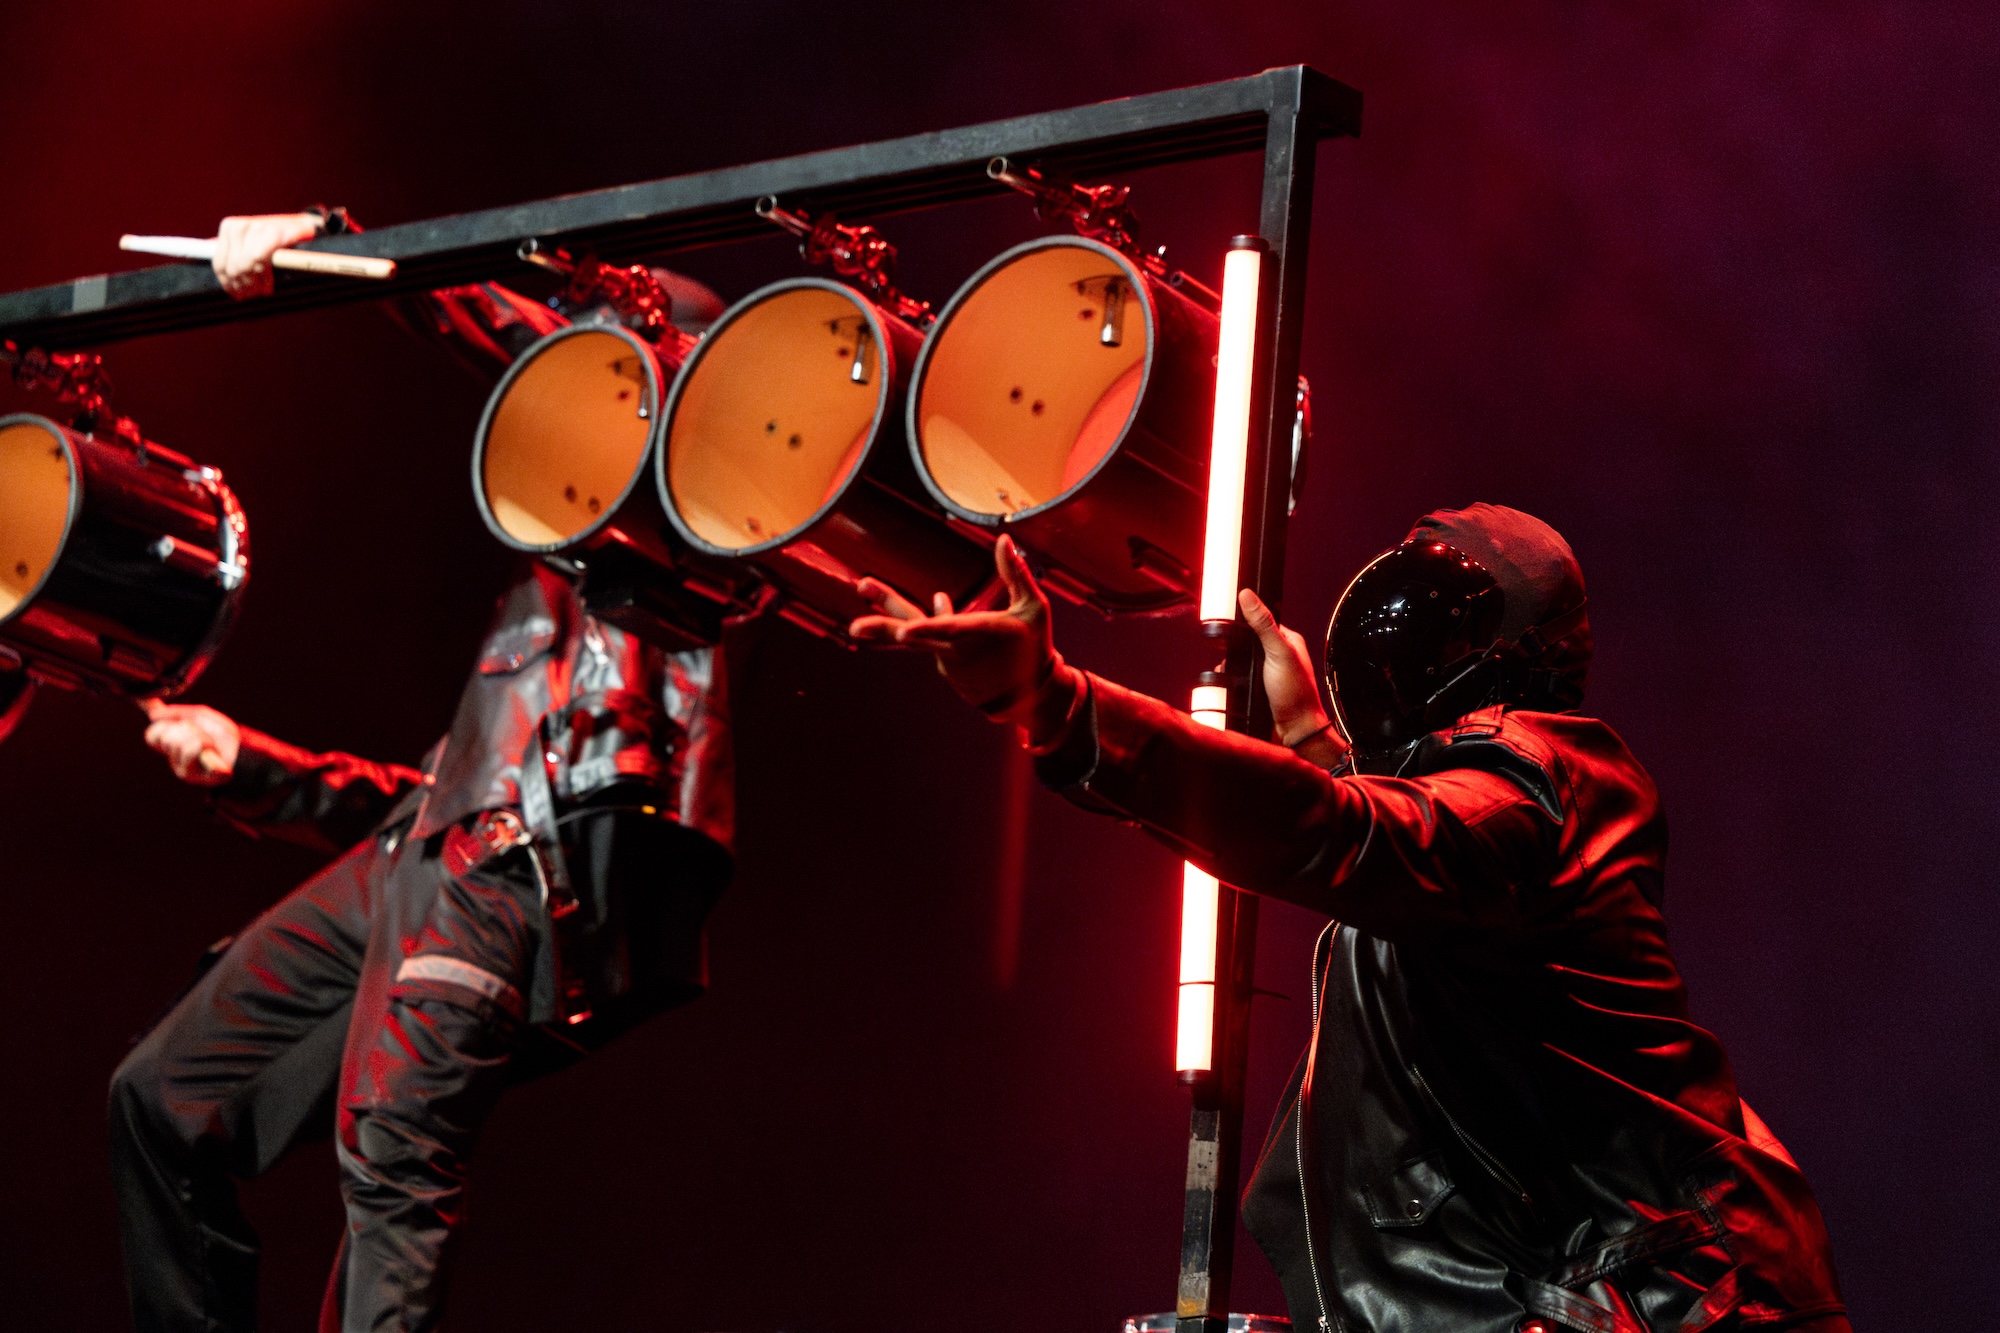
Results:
567 438
1022 394
34 508
773 418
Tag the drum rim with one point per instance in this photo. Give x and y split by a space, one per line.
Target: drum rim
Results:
519 365
232 535
75 466
951 308
875 316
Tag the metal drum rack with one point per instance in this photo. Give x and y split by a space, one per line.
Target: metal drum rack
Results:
1282 113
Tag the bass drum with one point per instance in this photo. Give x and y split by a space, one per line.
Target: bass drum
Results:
121 563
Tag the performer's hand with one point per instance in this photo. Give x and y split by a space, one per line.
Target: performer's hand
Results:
1290 681
200 743
244 246
1003 663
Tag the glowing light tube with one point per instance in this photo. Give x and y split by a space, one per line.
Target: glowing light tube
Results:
1242 270
1228 459
1211 706
1201 906
1194 1032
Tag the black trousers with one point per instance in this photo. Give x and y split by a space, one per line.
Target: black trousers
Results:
383 999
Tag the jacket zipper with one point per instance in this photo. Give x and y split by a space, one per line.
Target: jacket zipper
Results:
1299 1135
1493 1165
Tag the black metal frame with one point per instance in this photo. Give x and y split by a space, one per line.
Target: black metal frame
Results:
1282 112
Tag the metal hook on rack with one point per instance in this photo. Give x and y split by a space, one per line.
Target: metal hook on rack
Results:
633 292
861 253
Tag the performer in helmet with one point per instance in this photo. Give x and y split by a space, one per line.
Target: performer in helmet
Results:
1505 1119
534 888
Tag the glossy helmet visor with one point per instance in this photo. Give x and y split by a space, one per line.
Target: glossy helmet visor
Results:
1406 644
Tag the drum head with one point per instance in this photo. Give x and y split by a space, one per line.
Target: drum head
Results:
771 418
37 481
565 435
1031 377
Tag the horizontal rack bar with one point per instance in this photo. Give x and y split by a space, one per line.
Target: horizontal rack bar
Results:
706 208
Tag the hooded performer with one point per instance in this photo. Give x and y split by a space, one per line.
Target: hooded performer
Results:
1505 1121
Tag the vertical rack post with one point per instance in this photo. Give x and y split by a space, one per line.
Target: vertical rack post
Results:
1215 1132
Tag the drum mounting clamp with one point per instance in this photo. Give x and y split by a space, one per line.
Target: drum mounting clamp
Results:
861 253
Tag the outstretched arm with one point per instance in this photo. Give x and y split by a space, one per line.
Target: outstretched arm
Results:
267 788
1004 663
1434 857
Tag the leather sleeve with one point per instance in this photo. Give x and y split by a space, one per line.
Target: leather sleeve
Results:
327 802
1430 858
695 693
485 326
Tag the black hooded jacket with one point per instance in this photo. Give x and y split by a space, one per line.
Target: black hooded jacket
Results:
1510 1114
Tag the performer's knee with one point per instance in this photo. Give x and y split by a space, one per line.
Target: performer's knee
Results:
135 1095
417 1099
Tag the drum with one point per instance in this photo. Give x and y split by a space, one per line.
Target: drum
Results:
1065 395
559 468
121 563
782 448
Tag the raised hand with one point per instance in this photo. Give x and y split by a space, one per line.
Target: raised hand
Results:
200 744
244 246
1003 663
1291 683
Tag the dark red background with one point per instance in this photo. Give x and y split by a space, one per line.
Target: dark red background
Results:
1714 289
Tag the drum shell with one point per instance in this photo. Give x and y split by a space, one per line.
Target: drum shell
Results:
146 578
882 523
636 571
1127 537
632 520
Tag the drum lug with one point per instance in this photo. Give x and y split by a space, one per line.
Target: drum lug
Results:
61 677
174 553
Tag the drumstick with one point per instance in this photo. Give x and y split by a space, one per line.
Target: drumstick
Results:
211 762
302 261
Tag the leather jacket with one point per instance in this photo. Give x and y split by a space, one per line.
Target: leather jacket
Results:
622 715
639 734
617 712
1508 1112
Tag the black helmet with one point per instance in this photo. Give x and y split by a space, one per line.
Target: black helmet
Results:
1477 606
